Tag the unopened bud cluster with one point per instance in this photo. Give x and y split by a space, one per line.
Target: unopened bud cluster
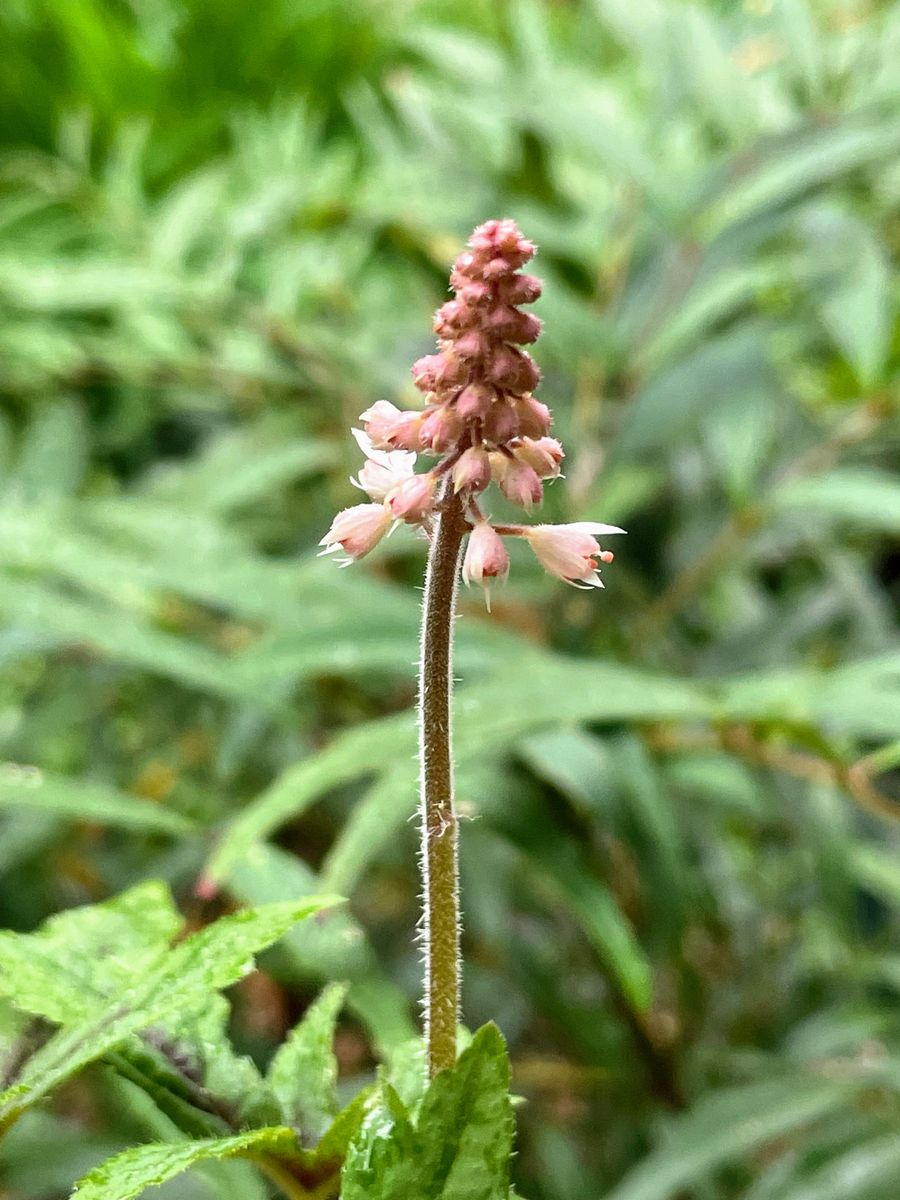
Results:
481 420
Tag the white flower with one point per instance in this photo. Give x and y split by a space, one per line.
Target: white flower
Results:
383 470
485 558
357 530
571 551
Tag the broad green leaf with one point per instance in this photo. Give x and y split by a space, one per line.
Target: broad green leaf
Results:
27 787
128 1174
180 982
460 1145
303 1073
234 1079
83 957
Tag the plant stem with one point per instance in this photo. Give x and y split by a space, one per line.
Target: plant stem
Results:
440 874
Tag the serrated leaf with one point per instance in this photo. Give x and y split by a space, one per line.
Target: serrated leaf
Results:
460 1145
180 983
303 1073
28 787
130 1173
80 958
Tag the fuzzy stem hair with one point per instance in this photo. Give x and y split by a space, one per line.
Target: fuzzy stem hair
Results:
440 832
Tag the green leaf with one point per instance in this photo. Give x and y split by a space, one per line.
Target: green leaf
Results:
234 1079
80 958
726 1125
242 466
851 496
128 1174
854 290
540 691
782 169
333 947
303 1073
26 787
873 1165
114 632
460 1145
180 982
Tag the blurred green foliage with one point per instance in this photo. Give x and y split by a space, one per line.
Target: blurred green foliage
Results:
223 228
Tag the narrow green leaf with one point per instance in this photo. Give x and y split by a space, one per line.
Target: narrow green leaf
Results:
541 691
27 787
726 1125
845 496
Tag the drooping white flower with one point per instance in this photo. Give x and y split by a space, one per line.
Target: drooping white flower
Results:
571 552
357 530
485 558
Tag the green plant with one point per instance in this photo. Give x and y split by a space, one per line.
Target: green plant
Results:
679 859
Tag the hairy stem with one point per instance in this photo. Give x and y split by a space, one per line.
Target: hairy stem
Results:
440 876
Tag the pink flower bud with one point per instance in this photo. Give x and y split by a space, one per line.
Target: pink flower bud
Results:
473 470
512 325
515 248
529 375
570 551
441 429
390 428
357 530
413 499
474 402
513 370
504 239
496 269
485 558
504 368
450 317
544 455
471 345
470 292
425 372
521 484
534 417
520 289
501 424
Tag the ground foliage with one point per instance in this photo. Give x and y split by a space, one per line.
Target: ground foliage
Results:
222 231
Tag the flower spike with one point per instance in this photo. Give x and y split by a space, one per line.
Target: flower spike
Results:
481 421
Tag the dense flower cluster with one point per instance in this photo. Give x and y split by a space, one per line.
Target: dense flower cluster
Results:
481 420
